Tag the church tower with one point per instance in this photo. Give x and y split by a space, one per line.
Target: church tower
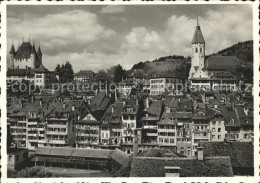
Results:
198 51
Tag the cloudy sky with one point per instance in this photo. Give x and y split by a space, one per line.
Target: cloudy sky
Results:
98 37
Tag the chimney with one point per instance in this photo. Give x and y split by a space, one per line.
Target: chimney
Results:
172 171
32 98
96 92
73 108
167 109
63 105
200 153
115 95
78 117
41 103
135 145
147 102
89 101
124 103
215 106
112 109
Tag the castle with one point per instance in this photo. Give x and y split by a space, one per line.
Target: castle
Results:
26 65
25 56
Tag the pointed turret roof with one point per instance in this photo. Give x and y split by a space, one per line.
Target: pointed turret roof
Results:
12 51
39 52
198 37
33 50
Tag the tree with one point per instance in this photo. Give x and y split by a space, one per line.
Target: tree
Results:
120 74
102 76
65 72
33 172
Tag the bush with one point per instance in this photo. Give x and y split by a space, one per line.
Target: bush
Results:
33 172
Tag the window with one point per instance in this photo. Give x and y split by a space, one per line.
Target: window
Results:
166 140
200 50
196 50
219 129
171 141
160 140
219 136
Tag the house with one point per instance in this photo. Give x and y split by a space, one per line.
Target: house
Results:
60 130
161 81
84 75
16 158
87 129
152 115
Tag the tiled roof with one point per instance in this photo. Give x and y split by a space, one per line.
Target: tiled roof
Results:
120 157
163 74
25 50
17 72
100 101
87 73
137 73
155 167
221 63
198 37
78 152
161 152
155 108
241 153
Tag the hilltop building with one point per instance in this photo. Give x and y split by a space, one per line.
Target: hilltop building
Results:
213 71
26 65
25 56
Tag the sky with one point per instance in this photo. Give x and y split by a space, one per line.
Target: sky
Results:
98 37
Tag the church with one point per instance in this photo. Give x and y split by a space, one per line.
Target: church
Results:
212 72
25 64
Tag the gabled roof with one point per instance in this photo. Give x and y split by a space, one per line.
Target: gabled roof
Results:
76 152
198 37
120 157
221 63
87 73
155 108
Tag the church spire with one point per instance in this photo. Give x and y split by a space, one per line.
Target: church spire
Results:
12 51
198 37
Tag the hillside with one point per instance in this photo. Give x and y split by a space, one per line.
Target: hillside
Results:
242 50
171 62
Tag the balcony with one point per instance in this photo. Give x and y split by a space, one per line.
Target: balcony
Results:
150 127
56 141
151 134
87 135
56 126
56 133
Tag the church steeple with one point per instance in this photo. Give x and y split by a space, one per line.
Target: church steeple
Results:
12 51
198 37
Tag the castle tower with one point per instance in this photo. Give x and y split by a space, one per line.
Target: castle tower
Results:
198 51
39 52
25 56
11 56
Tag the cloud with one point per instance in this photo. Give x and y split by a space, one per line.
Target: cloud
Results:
112 9
83 39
